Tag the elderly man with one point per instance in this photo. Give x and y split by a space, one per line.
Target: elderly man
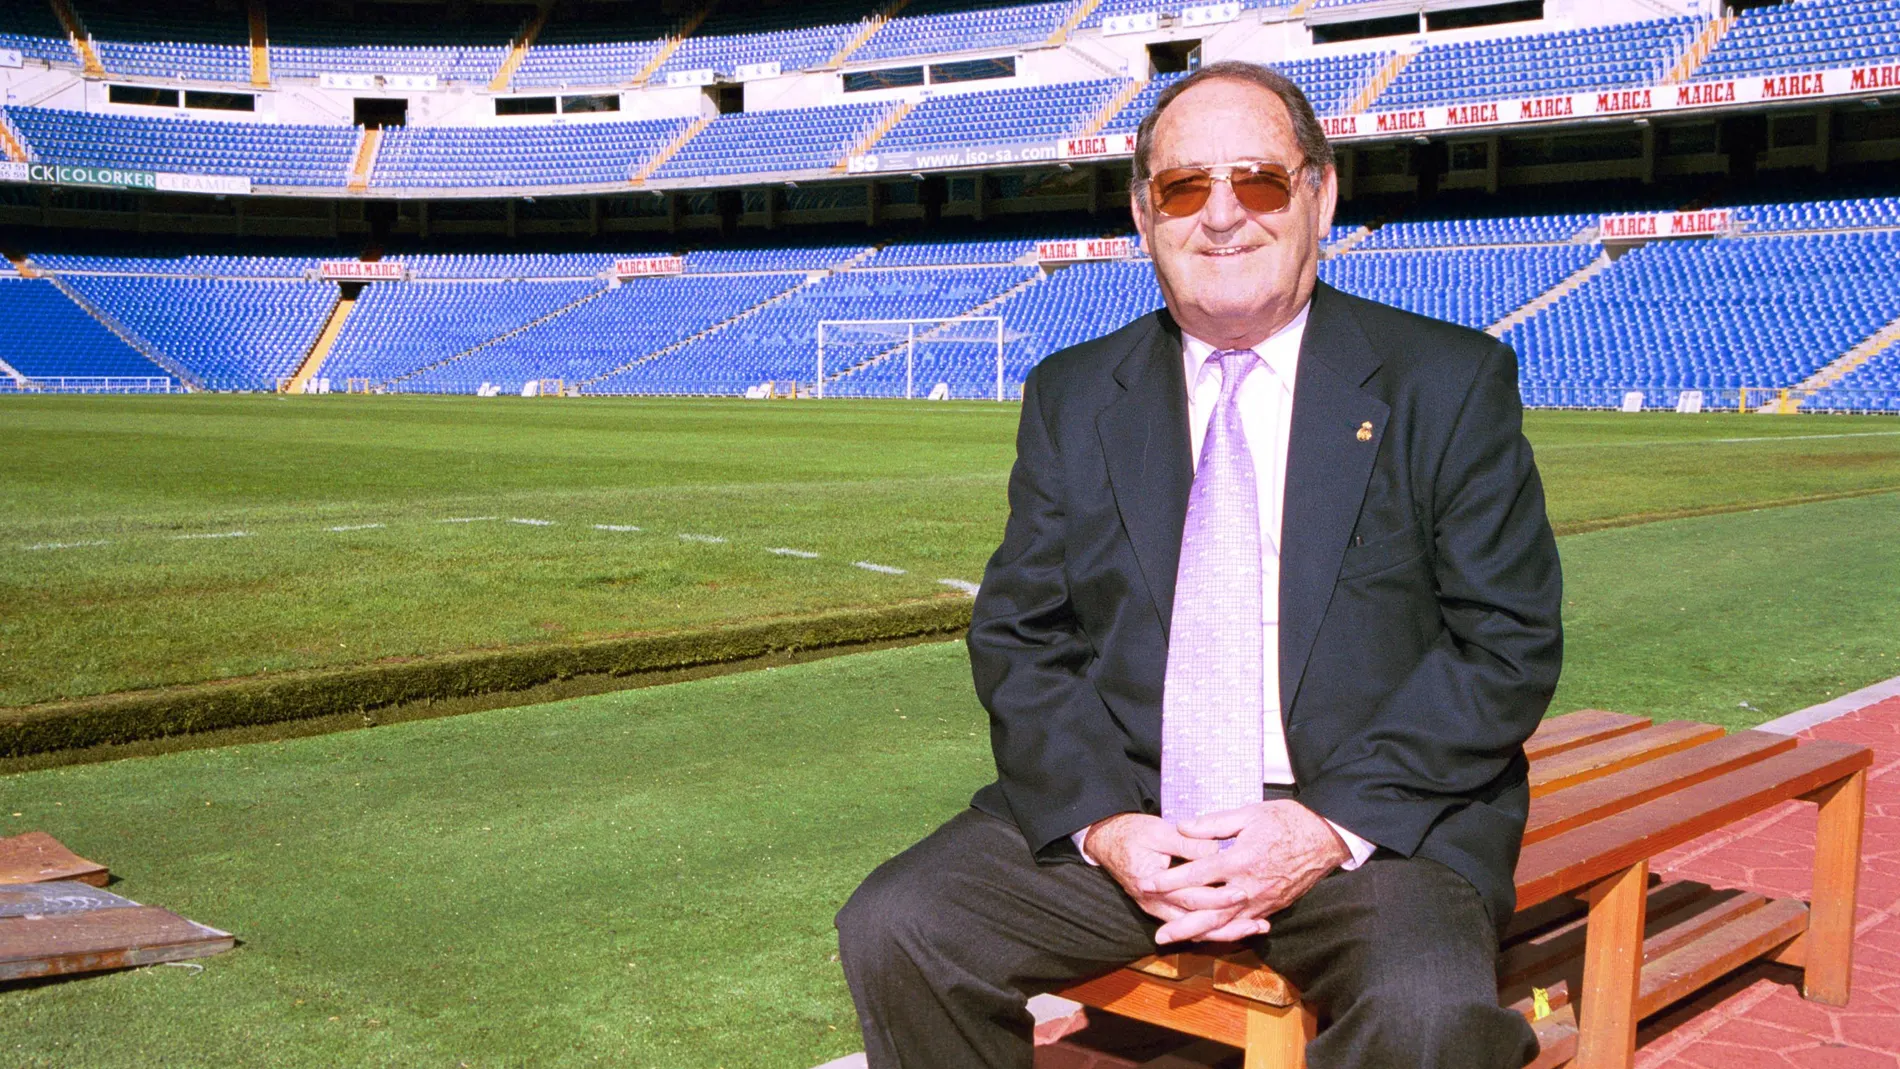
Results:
1275 610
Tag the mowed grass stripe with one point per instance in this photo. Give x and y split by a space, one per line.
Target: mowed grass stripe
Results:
648 878
917 487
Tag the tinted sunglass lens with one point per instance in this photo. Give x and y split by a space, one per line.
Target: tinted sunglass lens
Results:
1261 191
1183 194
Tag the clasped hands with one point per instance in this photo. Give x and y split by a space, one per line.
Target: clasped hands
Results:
1280 849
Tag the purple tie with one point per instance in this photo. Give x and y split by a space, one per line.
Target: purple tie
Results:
1212 701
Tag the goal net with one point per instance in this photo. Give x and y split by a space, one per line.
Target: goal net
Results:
959 356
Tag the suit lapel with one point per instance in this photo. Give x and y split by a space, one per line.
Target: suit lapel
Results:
1327 470
1144 436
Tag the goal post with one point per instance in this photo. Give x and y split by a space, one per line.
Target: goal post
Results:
871 350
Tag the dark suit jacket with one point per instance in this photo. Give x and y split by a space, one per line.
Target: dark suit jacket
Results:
1419 588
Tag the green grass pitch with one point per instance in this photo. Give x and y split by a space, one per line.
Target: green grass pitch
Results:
647 878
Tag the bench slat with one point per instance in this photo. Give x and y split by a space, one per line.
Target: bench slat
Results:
1584 763
1564 942
1191 1005
1571 730
1589 853
1574 806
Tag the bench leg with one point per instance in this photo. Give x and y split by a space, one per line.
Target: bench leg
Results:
1612 970
1830 942
1277 1036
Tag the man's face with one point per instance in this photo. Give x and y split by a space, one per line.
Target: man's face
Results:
1232 276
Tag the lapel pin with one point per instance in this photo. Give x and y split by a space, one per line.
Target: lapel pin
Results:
1365 431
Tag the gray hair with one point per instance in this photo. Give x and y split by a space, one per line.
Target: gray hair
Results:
1306 125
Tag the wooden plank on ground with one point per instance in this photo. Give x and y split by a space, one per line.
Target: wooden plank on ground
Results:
1583 855
53 929
37 857
40 899
1555 772
1571 730
1572 807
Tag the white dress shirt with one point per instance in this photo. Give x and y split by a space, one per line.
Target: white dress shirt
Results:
1266 416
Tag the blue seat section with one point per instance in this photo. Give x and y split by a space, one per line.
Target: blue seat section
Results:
573 265
136 37
48 336
1715 314
999 117
1855 214
398 327
765 142
235 335
1875 386
304 44
929 27
1507 68
30 28
1805 36
781 342
948 253
185 264
603 45
812 258
796 36
574 154
1475 287
269 153
1506 230
620 326
1075 304
1330 84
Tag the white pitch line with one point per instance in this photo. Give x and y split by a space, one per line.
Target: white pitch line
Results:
708 539
530 523
882 568
1809 437
1646 442
960 584
214 534
468 519
801 554
615 527
355 527
65 545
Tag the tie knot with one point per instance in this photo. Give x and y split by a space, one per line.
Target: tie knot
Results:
1235 365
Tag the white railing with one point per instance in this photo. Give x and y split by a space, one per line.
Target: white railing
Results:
91 384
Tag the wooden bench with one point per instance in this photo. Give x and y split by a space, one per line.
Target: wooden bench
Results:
1597 943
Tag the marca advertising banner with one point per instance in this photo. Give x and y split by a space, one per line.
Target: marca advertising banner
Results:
359 271
1085 249
1080 148
650 265
1646 225
397 83
958 156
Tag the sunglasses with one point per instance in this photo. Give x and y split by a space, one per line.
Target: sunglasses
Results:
1265 188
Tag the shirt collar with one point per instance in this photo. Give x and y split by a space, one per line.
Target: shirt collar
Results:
1281 351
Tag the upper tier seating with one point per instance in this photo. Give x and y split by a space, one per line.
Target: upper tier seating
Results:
306 44
619 327
30 28
234 335
1806 35
398 327
765 142
948 253
1601 57
540 155
268 153
999 117
1507 230
934 27
778 259
1852 214
1330 84
183 265
201 43
1474 287
573 265
600 45
63 342
798 37
1714 314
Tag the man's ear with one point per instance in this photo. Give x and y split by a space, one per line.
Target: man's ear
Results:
1328 200
1140 213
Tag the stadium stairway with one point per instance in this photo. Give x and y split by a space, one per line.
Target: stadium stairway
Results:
145 348
518 48
1879 342
671 148
11 142
21 265
1082 9
320 349
672 45
875 134
1392 69
365 161
260 43
716 328
1349 242
80 37
865 33
1111 109
473 349
932 334
1699 49
1549 297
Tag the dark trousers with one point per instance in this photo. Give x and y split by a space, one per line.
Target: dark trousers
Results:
943 944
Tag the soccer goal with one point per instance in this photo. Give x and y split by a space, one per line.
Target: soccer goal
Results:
909 357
